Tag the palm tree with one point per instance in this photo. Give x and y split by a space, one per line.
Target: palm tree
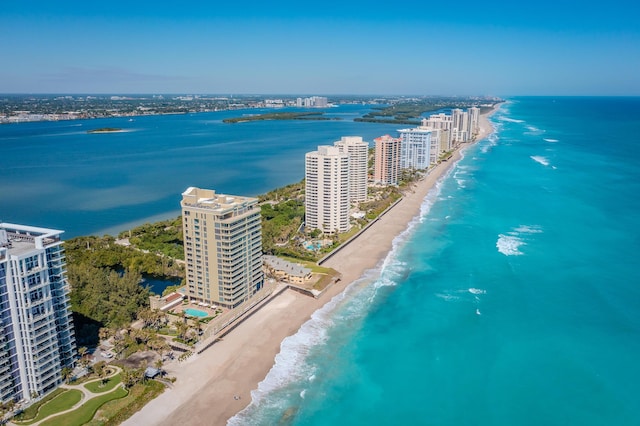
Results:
66 374
158 364
162 348
82 351
104 333
101 371
197 325
181 329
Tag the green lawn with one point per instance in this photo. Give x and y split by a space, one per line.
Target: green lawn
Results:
86 411
31 411
61 402
98 387
115 412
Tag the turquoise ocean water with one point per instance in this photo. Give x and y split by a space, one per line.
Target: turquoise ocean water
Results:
514 299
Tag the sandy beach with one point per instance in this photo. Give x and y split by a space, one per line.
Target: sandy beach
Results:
214 385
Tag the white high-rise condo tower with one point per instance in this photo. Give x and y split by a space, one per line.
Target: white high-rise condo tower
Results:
327 190
36 331
358 151
474 120
415 148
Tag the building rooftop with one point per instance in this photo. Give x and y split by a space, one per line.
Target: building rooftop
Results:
18 240
207 198
290 268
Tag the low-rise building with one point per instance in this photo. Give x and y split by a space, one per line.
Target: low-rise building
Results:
286 271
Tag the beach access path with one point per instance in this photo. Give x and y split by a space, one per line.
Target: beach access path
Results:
213 386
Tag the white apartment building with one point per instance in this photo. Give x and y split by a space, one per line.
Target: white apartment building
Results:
358 151
444 123
222 247
386 168
435 148
327 190
315 102
461 125
415 148
474 120
36 330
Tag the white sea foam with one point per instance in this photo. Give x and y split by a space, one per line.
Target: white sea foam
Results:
477 291
490 141
550 140
540 159
447 297
528 229
533 130
511 120
478 312
303 393
509 245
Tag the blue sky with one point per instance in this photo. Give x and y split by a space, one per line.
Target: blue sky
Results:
349 47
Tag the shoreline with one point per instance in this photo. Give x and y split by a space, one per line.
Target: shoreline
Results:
215 385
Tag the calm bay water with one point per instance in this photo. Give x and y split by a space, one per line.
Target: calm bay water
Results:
56 175
513 299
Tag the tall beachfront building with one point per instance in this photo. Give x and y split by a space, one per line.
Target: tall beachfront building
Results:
461 125
327 190
222 247
36 330
474 120
386 168
443 123
435 143
358 151
415 148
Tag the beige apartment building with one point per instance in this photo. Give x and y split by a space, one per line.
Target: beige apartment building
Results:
222 246
386 169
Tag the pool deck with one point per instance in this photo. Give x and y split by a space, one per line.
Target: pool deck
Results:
209 310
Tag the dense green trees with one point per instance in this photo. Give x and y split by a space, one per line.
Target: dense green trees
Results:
280 222
105 295
160 237
103 252
105 276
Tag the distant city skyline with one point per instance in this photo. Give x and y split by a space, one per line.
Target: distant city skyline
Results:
461 48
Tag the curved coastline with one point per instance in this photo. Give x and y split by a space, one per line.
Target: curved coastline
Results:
217 384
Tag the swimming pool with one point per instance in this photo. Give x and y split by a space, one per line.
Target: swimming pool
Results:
195 313
313 245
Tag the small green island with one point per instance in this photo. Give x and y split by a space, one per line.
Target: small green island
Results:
106 130
281 116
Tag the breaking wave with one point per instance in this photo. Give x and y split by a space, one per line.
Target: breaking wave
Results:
509 244
540 159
